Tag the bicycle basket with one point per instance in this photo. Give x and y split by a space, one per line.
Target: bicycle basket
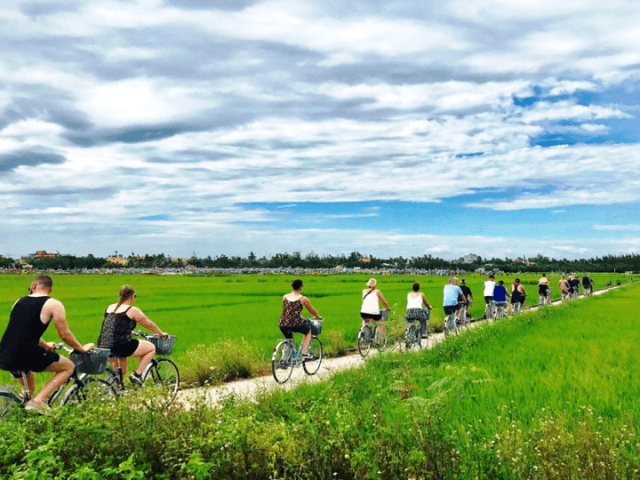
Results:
94 362
385 314
164 346
316 327
417 314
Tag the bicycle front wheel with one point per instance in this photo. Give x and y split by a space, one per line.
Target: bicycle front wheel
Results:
163 376
312 365
281 364
364 340
94 390
8 403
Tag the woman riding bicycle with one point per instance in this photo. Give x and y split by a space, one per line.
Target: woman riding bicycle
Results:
120 319
518 295
415 301
370 309
291 321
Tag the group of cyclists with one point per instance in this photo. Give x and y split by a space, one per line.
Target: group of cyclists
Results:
22 349
457 298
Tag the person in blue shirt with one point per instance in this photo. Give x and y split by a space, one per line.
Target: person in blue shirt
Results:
453 300
500 295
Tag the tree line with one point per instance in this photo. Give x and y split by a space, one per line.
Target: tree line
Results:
540 263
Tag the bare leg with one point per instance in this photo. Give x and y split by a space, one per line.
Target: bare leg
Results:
145 353
62 370
306 340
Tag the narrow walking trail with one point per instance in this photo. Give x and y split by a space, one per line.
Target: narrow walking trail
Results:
250 389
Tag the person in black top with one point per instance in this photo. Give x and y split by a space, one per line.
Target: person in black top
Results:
466 291
587 284
119 321
574 283
23 350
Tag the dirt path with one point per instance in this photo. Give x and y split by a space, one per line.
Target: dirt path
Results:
252 388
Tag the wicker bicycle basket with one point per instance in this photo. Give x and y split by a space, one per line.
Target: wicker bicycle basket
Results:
93 362
316 327
164 346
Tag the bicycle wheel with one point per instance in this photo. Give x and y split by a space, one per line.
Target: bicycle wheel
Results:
94 390
381 339
162 375
414 333
364 340
8 403
312 365
281 364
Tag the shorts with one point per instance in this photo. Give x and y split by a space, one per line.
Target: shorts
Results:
543 290
371 316
515 300
488 300
38 360
503 303
126 349
449 309
303 328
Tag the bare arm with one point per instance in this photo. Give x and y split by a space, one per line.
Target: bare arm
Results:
305 301
381 297
424 301
136 314
54 310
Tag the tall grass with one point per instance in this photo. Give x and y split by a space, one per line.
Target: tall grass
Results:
548 394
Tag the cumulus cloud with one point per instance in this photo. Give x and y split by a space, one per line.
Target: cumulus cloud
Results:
175 116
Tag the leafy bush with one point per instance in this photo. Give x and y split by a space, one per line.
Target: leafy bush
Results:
221 362
334 343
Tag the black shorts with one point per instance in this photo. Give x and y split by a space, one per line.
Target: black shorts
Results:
543 290
449 309
36 361
488 300
126 349
303 328
371 316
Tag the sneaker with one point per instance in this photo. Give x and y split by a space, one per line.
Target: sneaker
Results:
41 408
136 379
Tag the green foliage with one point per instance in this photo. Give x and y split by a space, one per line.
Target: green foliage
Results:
221 362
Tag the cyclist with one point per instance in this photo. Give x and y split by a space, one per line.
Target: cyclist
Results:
452 300
574 283
291 320
370 309
518 294
543 288
564 286
468 295
489 285
22 348
120 319
415 301
587 284
500 295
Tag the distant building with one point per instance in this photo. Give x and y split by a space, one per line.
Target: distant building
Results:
365 260
123 262
471 258
44 255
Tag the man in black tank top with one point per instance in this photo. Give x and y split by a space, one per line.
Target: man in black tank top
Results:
22 348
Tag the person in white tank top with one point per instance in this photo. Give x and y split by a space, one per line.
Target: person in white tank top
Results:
415 300
370 309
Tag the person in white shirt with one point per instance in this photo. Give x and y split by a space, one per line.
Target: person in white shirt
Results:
370 309
489 286
415 301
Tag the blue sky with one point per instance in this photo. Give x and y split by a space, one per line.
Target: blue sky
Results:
502 128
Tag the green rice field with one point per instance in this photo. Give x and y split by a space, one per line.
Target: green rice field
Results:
205 310
548 394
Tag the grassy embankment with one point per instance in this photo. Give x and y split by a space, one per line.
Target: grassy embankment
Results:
549 394
231 322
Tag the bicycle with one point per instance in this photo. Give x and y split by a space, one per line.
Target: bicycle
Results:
368 337
500 310
450 321
489 310
417 319
543 297
161 372
516 307
285 357
465 320
84 387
